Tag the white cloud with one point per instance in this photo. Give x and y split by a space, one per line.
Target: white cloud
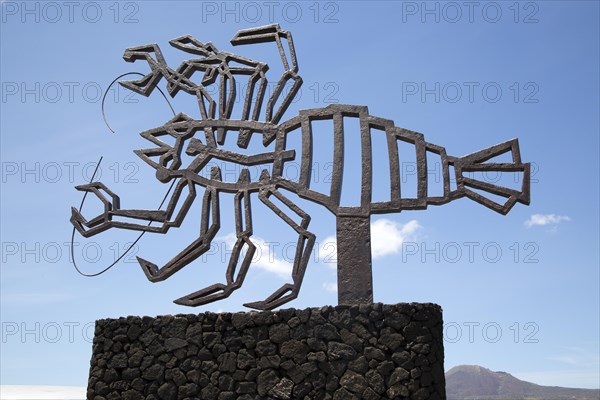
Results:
328 252
264 257
330 286
16 392
387 236
547 219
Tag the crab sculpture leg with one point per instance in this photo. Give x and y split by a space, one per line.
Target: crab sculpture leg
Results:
210 210
177 81
234 276
158 68
273 33
213 63
112 209
306 241
213 66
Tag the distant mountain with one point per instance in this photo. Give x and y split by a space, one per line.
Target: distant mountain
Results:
475 382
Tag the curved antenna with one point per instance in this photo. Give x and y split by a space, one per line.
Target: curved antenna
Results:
112 83
92 179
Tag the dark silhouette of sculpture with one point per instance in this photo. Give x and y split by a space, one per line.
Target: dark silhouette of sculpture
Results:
201 140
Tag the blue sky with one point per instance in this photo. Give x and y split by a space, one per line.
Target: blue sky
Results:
520 293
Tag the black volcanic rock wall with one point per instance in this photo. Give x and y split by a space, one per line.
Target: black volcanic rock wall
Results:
346 352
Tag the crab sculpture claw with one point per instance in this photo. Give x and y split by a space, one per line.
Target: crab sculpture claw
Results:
101 222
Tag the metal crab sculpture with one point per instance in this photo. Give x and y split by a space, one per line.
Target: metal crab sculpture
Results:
201 139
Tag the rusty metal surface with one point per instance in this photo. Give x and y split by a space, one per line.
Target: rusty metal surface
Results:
355 277
202 138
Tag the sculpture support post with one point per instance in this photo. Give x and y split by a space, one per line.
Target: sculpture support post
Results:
355 280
